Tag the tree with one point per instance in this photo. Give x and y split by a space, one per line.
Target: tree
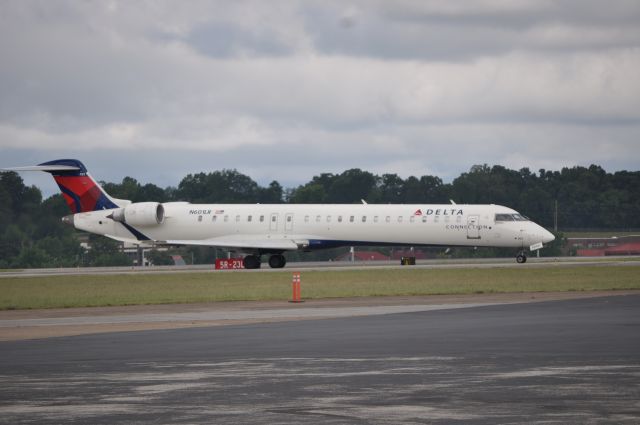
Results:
351 186
272 194
391 189
151 193
32 235
106 252
159 258
226 186
311 193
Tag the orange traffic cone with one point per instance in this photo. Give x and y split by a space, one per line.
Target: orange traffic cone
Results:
295 284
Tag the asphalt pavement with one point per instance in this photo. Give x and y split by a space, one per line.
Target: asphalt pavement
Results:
564 362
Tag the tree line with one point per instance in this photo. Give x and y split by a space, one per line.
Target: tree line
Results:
31 234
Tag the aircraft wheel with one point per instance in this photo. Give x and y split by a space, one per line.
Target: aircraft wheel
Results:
251 262
277 261
521 258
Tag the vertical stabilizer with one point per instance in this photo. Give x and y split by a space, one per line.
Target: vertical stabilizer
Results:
79 189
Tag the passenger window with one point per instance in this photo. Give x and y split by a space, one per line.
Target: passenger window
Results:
306 218
424 218
274 218
318 218
199 218
339 219
289 219
458 219
249 219
364 218
214 218
399 219
261 218
446 219
375 218
351 219
412 219
436 219
237 218
328 219
226 218
388 219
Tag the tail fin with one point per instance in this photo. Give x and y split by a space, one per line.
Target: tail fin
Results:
79 189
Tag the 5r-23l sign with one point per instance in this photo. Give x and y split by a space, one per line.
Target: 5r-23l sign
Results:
229 264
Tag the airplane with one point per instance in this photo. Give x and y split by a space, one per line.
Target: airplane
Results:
272 229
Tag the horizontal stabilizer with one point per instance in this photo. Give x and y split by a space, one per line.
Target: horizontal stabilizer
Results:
47 168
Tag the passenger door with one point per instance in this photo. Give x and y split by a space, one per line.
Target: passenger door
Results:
288 222
473 227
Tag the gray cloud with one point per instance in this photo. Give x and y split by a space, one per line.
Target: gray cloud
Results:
454 31
284 90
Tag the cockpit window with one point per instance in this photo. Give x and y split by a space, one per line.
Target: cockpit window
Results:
511 217
504 217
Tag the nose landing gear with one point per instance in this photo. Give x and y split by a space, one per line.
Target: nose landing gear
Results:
521 257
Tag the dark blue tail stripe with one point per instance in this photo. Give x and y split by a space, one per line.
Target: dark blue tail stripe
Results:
140 236
76 199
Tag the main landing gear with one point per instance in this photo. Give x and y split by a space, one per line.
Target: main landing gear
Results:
251 262
276 261
521 257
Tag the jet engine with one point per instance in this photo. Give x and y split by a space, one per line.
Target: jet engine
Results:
140 214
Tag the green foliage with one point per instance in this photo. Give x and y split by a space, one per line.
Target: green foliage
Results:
554 248
106 252
349 187
159 258
111 260
311 193
31 233
226 186
130 189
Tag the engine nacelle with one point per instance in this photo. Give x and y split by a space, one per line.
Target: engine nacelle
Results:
140 214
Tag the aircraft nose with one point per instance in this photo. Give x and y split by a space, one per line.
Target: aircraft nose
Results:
547 236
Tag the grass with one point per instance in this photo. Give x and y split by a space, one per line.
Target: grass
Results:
111 290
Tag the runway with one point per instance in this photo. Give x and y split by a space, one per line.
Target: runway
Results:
479 263
570 361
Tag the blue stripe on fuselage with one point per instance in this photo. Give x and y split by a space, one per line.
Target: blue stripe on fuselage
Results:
139 235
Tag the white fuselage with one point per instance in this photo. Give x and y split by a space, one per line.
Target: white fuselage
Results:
262 227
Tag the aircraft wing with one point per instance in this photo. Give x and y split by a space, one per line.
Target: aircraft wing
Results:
280 244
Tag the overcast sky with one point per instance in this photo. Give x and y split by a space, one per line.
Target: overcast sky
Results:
284 90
